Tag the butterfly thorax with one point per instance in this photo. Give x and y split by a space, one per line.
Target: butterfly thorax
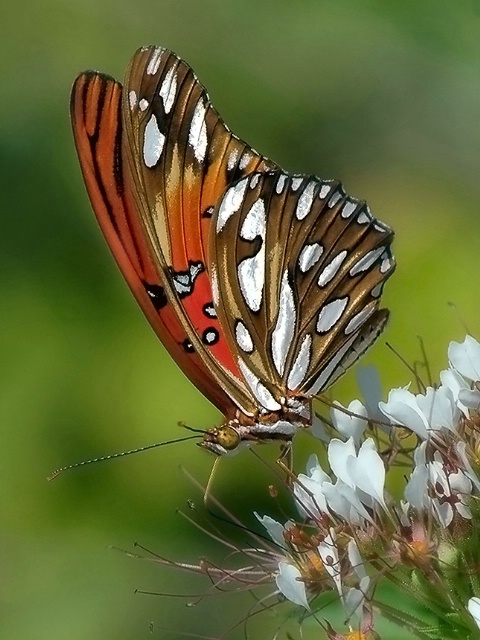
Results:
242 431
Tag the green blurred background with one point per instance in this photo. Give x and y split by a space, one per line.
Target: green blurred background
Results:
383 95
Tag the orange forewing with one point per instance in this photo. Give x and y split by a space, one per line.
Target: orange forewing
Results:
97 126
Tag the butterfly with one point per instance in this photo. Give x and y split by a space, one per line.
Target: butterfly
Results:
263 286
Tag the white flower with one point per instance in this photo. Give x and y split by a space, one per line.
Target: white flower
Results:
289 582
350 426
363 470
465 358
474 609
421 413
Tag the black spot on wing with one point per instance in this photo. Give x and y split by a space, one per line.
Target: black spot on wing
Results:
157 295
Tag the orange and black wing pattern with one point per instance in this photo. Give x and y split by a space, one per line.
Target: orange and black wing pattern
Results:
156 158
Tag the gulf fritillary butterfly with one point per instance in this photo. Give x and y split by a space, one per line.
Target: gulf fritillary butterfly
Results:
263 286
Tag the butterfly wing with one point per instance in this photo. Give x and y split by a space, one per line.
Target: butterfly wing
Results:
97 127
298 268
181 157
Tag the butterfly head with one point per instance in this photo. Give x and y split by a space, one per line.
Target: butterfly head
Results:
237 434
222 441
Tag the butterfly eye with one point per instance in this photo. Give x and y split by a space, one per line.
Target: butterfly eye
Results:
225 437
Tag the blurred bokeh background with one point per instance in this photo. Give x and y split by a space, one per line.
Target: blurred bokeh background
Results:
383 95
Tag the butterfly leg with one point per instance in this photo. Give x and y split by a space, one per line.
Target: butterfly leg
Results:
285 462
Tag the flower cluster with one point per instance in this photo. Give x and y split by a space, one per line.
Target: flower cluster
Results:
347 535
349 532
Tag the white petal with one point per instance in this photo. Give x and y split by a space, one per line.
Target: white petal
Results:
310 500
402 408
368 472
315 471
461 449
439 408
416 490
455 382
474 609
274 529
340 455
350 426
465 358
343 500
356 559
470 398
290 584
329 554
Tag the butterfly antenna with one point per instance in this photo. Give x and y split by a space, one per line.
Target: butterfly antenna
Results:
192 429
56 473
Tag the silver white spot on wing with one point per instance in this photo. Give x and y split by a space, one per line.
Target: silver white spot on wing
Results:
154 62
251 271
366 261
335 198
168 89
309 256
332 269
244 161
300 366
357 321
153 141
296 182
280 183
376 292
132 100
197 136
259 390
231 203
255 221
232 159
348 209
386 263
243 337
284 331
324 191
254 181
143 104
305 201
330 314
364 218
